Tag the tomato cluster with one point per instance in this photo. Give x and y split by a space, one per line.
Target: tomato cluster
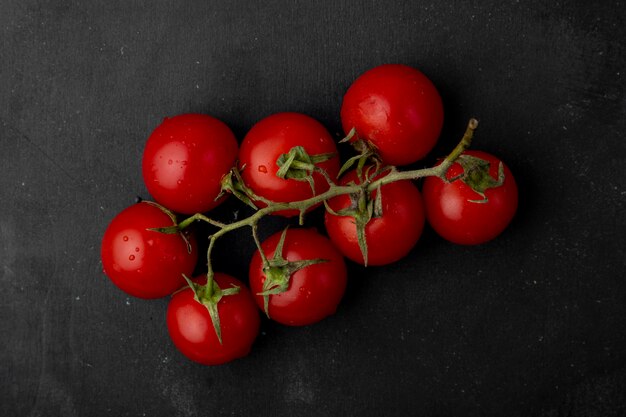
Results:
287 165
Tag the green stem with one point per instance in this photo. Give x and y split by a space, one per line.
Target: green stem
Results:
334 191
202 217
465 142
209 273
436 171
337 190
257 241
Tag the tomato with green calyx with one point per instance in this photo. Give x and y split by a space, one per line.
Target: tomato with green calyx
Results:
185 159
395 108
289 138
383 228
144 262
303 279
475 203
193 329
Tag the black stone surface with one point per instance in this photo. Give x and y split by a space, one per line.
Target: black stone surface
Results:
531 324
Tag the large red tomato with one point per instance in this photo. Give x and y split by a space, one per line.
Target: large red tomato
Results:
390 236
191 328
311 293
276 135
145 263
464 216
184 160
397 109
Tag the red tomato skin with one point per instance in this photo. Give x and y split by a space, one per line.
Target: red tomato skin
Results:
460 221
396 108
145 263
276 135
184 160
192 332
315 291
389 237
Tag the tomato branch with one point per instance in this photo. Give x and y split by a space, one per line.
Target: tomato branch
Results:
304 205
337 190
436 171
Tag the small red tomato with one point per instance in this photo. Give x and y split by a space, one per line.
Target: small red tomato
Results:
390 236
460 214
145 263
276 135
310 293
191 328
397 109
184 160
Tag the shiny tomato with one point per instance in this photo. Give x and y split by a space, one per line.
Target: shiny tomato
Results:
389 236
142 262
312 292
184 160
276 135
397 109
460 214
191 328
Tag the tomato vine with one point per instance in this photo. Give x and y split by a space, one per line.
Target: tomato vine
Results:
232 183
288 165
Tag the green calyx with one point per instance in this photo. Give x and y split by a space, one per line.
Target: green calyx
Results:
233 183
209 295
297 164
278 272
476 175
367 153
363 209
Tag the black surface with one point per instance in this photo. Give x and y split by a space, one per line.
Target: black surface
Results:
531 324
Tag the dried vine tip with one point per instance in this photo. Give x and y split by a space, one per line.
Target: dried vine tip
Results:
473 123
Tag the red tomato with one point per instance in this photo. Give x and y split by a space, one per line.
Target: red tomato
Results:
390 236
455 217
191 329
142 262
397 109
184 160
314 291
276 135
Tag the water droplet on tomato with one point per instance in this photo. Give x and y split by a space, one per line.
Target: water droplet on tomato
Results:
136 249
179 182
131 258
263 169
125 238
170 162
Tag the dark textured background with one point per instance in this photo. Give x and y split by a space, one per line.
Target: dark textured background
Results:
531 324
